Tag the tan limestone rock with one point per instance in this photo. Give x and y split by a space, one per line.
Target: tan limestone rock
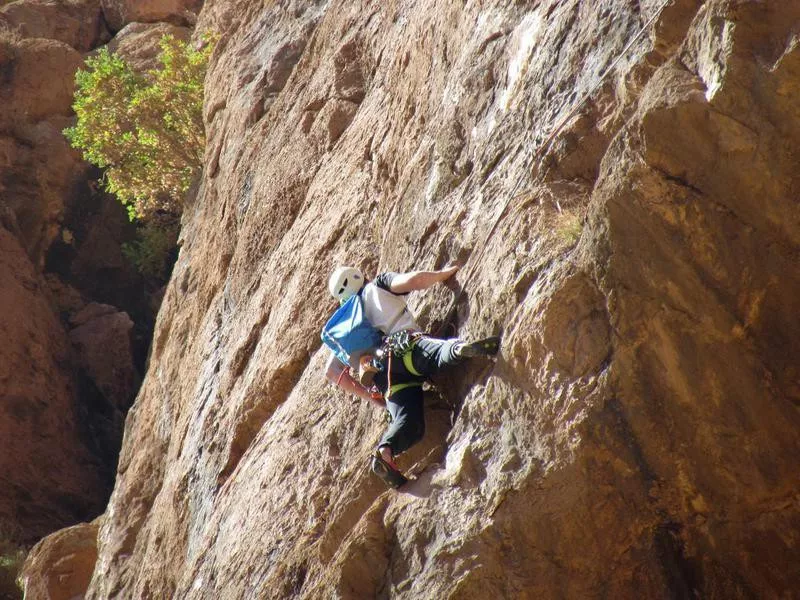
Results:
39 173
119 13
137 43
61 411
636 437
42 81
60 566
38 169
77 23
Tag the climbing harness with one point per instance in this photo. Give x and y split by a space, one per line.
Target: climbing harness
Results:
400 344
537 153
389 376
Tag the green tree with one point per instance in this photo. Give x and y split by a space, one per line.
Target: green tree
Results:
145 129
153 249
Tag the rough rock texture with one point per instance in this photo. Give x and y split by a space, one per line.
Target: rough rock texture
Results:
119 13
137 43
85 270
39 172
47 475
41 81
637 437
87 259
60 566
77 23
102 338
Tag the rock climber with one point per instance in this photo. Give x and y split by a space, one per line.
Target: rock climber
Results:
392 376
384 306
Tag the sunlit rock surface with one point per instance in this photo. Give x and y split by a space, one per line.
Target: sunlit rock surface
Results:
60 566
119 13
138 43
638 435
77 23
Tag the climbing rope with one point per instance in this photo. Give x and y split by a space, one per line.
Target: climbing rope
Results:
538 153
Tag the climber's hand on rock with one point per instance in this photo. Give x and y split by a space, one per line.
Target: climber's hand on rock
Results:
449 271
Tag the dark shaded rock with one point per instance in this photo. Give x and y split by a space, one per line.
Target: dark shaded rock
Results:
51 479
102 338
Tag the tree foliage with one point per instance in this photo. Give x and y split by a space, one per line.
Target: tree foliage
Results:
152 252
145 129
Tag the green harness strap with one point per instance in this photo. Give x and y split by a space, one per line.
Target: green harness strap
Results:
401 386
409 364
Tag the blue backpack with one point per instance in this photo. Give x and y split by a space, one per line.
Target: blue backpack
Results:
349 332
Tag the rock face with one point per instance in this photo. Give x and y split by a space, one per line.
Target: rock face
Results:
77 23
38 169
137 43
42 80
119 13
62 399
638 435
49 476
102 338
62 407
60 567
107 378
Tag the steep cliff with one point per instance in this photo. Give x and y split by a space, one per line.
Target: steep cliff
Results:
638 435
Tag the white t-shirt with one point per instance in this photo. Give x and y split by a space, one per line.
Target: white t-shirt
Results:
386 310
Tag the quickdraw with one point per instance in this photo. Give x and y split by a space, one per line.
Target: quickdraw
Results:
400 342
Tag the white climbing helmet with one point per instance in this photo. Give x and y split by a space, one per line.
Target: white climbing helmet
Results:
345 282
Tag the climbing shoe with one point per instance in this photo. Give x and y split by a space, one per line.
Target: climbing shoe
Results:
391 476
485 347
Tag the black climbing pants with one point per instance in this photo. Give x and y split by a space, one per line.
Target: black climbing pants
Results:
405 405
408 419
430 354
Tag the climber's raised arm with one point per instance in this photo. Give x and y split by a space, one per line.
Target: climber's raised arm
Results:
419 280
